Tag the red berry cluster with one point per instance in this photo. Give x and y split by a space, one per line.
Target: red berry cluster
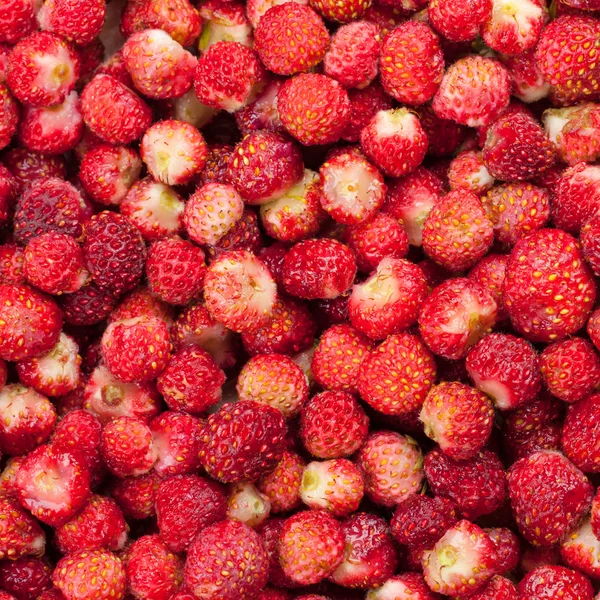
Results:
298 299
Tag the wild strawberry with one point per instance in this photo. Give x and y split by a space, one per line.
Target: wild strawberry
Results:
392 465
53 484
568 41
262 112
394 141
89 305
364 105
236 543
224 21
508 548
26 578
580 435
27 165
455 316
175 269
532 483
580 549
333 425
570 369
403 587
505 367
264 166
138 303
411 63
244 235
136 495
458 21
219 85
152 570
318 268
247 505
556 581
474 91
498 588
462 561
9 189
177 17
576 197
99 525
12 261
260 429
282 486
548 258
371 554
21 533
445 136
459 418
323 99
90 573
468 171
529 84
8 477
18 21
77 21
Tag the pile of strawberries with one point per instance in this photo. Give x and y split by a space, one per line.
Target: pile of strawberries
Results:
298 300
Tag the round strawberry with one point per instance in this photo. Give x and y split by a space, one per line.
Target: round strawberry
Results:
136 495
456 20
467 170
21 533
282 486
26 577
79 21
555 581
580 434
576 198
364 105
17 21
10 116
158 14
88 305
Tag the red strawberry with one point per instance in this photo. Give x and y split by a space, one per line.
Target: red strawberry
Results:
224 21
411 63
333 425
529 84
140 302
444 135
548 291
177 17
364 105
474 91
79 21
508 548
244 235
247 505
239 546
556 582
27 165
262 112
392 466
532 482
590 243
458 21
26 578
576 197
136 495
12 260
468 171
17 21
282 486
407 586
89 305
498 588
580 434
20 533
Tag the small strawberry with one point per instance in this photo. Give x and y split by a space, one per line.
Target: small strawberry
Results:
576 197
333 425
18 21
88 306
554 581
508 548
282 486
468 171
177 17
12 261
244 235
392 466
21 534
456 20
498 588
364 105
580 550
27 165
489 273
247 505
529 84
79 21
580 434
262 112
26 578
224 21
136 495
140 302
407 586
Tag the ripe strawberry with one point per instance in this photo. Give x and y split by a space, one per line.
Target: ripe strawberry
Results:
18 21
532 482
576 197
468 171
26 578
228 76
580 435
555 581
177 17
593 326
140 302
152 570
224 21
461 562
508 548
175 269
580 549
78 21
555 54
8 477
498 588
247 505
21 534
244 235
371 553
318 268
216 163
394 141
392 466
457 313
364 105
474 91
459 418
27 165
353 54
411 63
458 21
12 260
262 112
90 573
264 166
407 586
311 546
321 98
282 486
505 367
529 84
53 484
548 258
260 430
239 546
99 525
136 495
333 425
489 273
89 305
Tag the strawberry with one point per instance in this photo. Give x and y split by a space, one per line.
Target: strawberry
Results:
505 367
580 549
411 63
21 533
264 166
247 505
407 586
474 91
261 430
468 171
9 188
529 84
353 54
311 546
364 105
237 544
570 369
152 570
318 268
175 269
532 483
103 100
580 435
320 97
457 232
394 141
218 85
459 418
458 21
26 578
566 41
489 273
333 425
191 381
461 562
108 172
516 209
90 573
136 495
224 21
177 17
457 313
371 554
498 588
593 326
18 21
334 485
445 136
27 165
576 197
392 466
562 305
79 21
99 525
244 235
262 112
89 305
12 261
508 548
396 376
282 486
140 302
556 581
